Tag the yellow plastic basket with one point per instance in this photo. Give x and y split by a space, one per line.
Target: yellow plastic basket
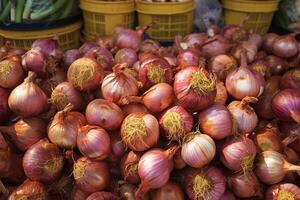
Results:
171 18
260 13
100 17
69 36
88 37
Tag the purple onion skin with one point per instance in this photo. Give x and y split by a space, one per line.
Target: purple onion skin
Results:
70 56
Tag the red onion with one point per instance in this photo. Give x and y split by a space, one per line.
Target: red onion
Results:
4 108
149 46
126 55
276 64
238 154
119 84
70 56
272 167
285 46
213 30
267 139
215 46
133 108
87 46
221 96
283 191
93 142
195 88
235 33
261 67
156 99
127 38
102 196
193 40
5 49
261 55
91 175
78 194
26 132
63 129
104 113
291 131
221 65
290 79
286 105
178 160
269 38
228 196
43 161
256 39
244 115
263 107
290 155
155 70
102 56
63 94
105 41
216 121
154 169
243 82
16 52
129 167
190 58
11 72
176 123
170 190
49 47
245 185
28 99
198 150
85 74
118 148
140 131
205 183
248 47
30 190
15 172
51 82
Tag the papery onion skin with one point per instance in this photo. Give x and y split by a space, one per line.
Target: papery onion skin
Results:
228 196
49 47
155 70
191 95
11 72
149 45
238 154
4 108
154 169
267 139
28 99
65 93
70 56
78 194
126 55
102 56
118 148
261 67
283 190
244 115
91 175
277 65
85 74
30 190
198 151
208 182
178 161
133 108
176 123
119 84
221 95
222 65
286 105
63 129
43 161
269 38
140 131
215 46
159 97
245 185
248 47
26 132
93 142
216 121
257 39
189 58
105 114
129 167
290 80
285 46
194 40
171 190
102 196
34 60
87 46
52 81
271 167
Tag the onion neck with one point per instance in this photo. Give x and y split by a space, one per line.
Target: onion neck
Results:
130 99
243 59
171 152
142 30
288 167
247 100
30 78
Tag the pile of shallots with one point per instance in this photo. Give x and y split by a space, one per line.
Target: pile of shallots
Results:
216 116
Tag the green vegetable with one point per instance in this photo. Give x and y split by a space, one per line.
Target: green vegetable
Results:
5 12
20 7
13 10
27 9
68 9
49 11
